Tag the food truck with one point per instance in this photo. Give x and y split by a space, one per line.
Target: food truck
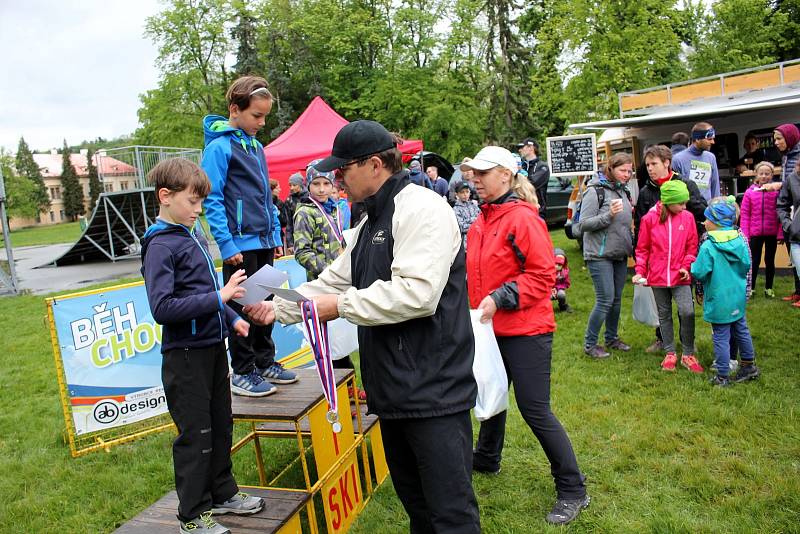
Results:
752 101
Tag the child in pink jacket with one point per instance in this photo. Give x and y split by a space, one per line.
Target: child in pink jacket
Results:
665 251
759 224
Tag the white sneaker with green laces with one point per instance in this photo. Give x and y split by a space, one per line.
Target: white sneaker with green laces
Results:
241 503
204 524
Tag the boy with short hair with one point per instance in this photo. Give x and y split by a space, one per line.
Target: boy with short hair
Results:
722 266
466 210
244 221
187 300
318 224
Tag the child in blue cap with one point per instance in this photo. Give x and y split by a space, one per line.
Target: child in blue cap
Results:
722 266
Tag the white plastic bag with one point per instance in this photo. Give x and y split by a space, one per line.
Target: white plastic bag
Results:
342 336
489 371
644 305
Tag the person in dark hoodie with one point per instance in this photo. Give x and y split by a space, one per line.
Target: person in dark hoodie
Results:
787 140
297 192
187 300
244 221
416 175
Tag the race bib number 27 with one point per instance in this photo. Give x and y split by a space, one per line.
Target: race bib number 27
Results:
700 173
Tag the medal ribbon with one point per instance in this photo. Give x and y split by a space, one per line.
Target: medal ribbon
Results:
317 333
335 224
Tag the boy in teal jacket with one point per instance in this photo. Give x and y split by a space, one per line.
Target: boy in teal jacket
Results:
722 266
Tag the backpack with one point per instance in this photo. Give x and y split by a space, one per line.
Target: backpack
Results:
573 230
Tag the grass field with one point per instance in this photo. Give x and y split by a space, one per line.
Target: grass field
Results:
662 452
44 235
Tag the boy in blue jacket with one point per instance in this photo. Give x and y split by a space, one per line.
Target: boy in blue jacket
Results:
244 221
187 300
722 265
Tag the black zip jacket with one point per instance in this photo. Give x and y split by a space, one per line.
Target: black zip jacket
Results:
182 287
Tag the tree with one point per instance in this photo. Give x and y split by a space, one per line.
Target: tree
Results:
21 193
27 168
245 34
721 45
95 187
73 192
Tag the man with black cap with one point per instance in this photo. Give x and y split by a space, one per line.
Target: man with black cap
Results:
402 280
538 171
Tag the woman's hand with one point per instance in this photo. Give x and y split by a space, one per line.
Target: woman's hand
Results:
636 278
488 307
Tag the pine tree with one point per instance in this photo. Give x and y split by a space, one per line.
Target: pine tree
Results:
73 192
245 33
95 187
27 168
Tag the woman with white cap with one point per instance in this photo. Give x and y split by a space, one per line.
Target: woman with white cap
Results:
510 274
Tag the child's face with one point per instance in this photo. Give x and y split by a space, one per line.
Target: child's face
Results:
252 119
334 193
676 208
320 189
463 195
181 207
295 188
709 226
764 175
559 266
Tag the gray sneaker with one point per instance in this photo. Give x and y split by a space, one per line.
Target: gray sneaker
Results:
618 344
747 372
241 503
204 524
596 351
565 510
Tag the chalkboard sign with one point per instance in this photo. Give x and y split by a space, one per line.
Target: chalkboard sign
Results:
571 155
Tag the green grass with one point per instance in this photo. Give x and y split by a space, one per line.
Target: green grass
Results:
662 452
45 235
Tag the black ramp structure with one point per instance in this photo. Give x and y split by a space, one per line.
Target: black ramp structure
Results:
116 226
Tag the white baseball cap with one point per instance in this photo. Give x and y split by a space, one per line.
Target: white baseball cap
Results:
490 157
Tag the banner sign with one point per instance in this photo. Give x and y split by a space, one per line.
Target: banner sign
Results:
109 348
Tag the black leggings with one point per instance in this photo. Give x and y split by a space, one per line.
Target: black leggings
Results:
527 362
770 245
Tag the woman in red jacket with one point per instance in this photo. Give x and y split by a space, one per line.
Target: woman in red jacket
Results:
510 274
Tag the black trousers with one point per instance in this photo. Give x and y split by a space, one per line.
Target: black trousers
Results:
430 460
257 348
770 245
198 395
527 362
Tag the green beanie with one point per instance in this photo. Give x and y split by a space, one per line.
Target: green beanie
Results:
674 192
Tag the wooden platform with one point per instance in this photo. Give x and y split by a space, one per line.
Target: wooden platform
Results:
280 507
291 401
367 421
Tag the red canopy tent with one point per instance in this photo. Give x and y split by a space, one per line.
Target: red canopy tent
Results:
311 137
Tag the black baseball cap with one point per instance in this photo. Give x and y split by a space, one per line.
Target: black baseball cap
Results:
356 140
528 141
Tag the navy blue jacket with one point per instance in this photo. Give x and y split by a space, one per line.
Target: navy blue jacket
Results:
182 287
239 208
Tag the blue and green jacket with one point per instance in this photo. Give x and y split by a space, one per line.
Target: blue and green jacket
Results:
722 266
183 288
239 208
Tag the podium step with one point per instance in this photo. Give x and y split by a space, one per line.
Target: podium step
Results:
367 421
280 508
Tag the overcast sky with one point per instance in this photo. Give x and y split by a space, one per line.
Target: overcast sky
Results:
72 70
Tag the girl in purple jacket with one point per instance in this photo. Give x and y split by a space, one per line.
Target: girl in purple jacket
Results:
759 224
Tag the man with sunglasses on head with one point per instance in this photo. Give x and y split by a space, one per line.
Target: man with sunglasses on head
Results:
402 280
698 163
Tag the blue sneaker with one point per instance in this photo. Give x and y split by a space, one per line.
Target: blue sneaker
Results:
276 374
251 385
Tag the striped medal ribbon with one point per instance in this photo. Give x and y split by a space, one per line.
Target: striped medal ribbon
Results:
317 333
335 224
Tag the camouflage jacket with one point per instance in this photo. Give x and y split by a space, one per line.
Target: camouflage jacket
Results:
315 245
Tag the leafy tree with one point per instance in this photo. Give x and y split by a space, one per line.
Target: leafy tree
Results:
786 29
721 45
21 193
95 187
27 168
73 192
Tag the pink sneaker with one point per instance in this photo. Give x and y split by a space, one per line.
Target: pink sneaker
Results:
691 363
669 362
